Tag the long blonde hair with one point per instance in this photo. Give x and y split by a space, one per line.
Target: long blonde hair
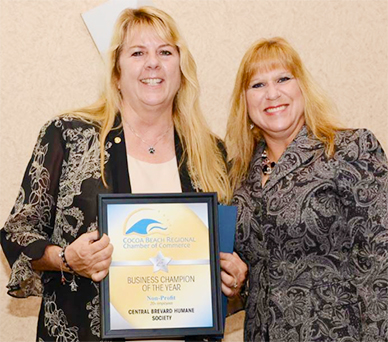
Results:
205 160
319 112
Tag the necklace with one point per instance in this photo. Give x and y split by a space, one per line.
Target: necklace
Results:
151 148
266 165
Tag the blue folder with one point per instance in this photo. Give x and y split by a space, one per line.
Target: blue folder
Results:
227 216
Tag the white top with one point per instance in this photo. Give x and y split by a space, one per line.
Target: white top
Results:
153 178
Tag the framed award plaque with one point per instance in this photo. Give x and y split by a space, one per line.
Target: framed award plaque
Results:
164 279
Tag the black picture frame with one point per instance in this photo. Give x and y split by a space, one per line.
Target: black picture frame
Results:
112 206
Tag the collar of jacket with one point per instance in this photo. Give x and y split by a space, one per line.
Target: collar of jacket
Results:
117 165
299 152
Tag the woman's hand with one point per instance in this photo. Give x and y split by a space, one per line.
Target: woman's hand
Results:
233 273
89 256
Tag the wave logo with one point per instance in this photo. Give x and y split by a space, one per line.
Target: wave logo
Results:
144 221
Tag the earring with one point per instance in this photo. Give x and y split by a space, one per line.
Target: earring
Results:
251 126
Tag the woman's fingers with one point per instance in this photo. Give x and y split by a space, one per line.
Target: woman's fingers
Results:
99 244
100 275
228 279
233 274
86 255
227 284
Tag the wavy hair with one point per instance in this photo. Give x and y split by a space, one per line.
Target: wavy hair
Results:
206 162
319 113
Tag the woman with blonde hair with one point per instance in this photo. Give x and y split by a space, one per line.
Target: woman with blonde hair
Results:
312 206
146 134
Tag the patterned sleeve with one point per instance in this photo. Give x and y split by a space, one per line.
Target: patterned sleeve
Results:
29 227
363 185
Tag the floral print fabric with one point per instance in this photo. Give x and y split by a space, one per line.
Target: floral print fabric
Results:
50 209
56 204
315 238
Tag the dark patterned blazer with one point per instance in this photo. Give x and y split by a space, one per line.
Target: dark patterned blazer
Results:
56 204
315 238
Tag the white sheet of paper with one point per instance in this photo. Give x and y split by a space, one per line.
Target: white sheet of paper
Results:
101 19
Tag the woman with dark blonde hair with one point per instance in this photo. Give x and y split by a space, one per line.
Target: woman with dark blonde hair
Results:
312 207
146 134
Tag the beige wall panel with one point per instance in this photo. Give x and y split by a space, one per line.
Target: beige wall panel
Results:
48 64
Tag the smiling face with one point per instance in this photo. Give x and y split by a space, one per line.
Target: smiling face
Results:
150 73
276 104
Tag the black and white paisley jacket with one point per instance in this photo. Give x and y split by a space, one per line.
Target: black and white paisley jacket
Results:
57 203
315 238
